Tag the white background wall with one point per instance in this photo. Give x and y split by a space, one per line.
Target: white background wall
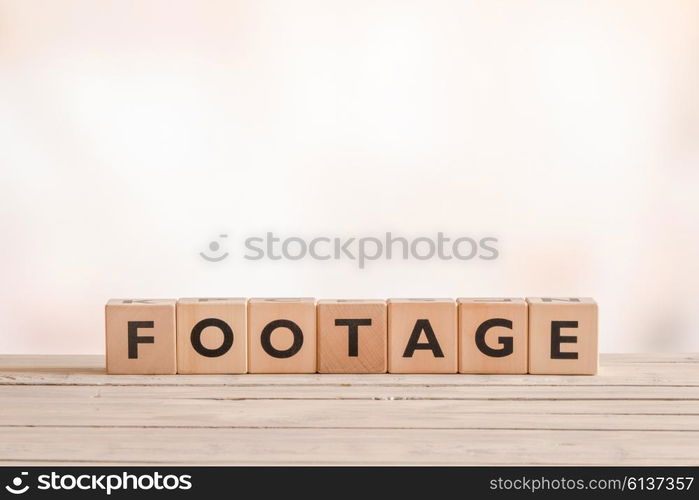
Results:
132 133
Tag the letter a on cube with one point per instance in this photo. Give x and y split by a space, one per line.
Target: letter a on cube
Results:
422 336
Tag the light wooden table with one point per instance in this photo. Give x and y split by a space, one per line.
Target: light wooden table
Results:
640 409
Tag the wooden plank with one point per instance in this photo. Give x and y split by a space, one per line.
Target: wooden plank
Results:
658 357
95 363
633 374
345 446
350 392
609 415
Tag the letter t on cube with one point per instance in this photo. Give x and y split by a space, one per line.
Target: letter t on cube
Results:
351 336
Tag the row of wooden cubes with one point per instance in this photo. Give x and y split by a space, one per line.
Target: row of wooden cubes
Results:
542 335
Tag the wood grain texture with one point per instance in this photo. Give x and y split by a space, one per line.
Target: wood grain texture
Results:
640 409
151 322
422 336
352 348
281 446
287 326
563 336
475 314
220 314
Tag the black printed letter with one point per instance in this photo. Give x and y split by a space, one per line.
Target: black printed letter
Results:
134 339
227 337
557 339
423 325
267 336
353 333
506 342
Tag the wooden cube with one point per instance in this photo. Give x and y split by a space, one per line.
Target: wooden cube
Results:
493 335
562 336
351 336
282 335
140 336
422 336
211 335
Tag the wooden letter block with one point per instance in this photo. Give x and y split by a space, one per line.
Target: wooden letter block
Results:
140 336
562 336
282 335
352 336
211 336
493 335
422 336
